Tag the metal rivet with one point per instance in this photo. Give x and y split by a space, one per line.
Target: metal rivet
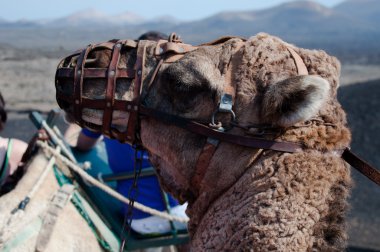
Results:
118 45
76 101
226 99
108 104
161 50
79 72
136 108
112 72
129 107
139 72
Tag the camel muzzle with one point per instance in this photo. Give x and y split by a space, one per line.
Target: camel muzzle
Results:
71 75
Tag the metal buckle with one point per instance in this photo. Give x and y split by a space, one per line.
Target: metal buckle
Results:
225 106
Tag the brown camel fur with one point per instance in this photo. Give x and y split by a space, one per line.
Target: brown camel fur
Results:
246 201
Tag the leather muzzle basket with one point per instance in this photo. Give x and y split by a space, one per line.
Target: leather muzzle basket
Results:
72 74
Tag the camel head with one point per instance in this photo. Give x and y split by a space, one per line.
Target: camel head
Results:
270 99
191 86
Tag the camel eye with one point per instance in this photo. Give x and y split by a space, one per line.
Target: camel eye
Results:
176 85
183 82
184 88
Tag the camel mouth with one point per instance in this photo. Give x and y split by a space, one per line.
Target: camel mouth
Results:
95 117
91 119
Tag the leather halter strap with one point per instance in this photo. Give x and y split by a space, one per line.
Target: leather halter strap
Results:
362 166
172 51
226 102
203 162
165 50
110 88
139 69
205 130
230 84
301 68
78 82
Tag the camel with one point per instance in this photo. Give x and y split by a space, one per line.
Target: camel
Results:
248 199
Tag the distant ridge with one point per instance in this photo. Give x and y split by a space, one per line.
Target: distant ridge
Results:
348 30
362 10
94 17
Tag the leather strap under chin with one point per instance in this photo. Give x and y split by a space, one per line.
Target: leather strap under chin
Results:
202 163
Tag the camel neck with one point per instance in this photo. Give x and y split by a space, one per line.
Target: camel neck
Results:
214 186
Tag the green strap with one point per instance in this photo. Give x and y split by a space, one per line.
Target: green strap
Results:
111 245
4 168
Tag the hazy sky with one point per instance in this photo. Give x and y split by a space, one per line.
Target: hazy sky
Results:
184 10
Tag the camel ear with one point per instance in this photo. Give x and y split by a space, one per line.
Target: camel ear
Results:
294 100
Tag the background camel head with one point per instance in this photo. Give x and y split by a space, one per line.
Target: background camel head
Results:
268 92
